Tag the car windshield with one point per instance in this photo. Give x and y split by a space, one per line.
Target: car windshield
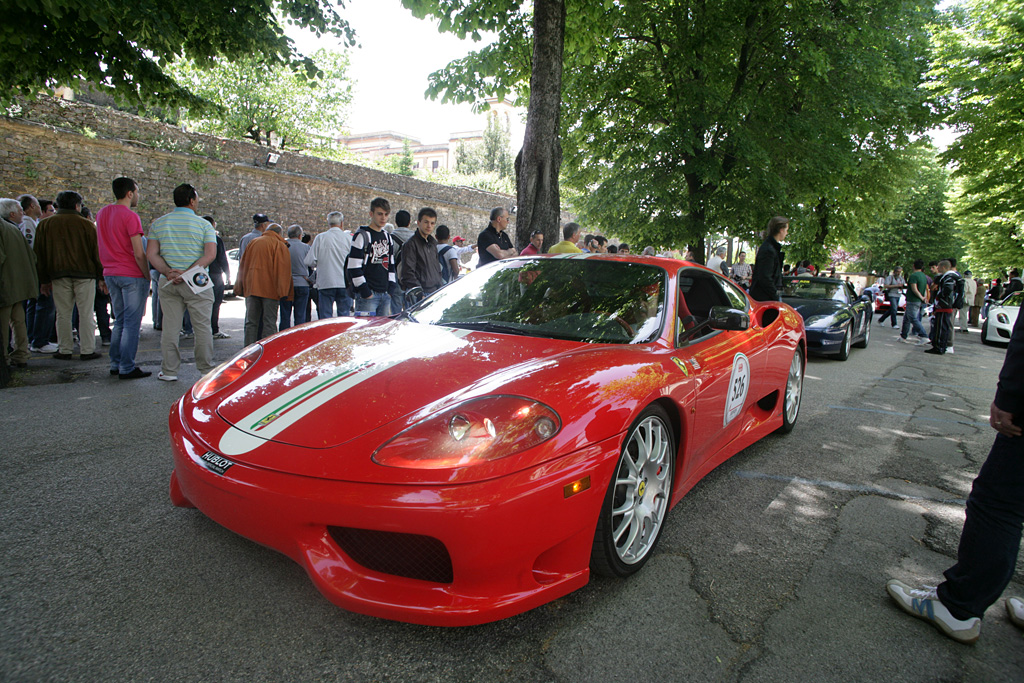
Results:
583 299
799 288
1014 300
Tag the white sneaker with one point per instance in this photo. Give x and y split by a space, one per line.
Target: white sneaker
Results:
49 348
949 349
921 341
924 603
1015 608
167 378
901 340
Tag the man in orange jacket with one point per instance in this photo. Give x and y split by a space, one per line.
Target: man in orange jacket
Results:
264 278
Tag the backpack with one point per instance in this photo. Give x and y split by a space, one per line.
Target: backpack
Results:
958 292
443 257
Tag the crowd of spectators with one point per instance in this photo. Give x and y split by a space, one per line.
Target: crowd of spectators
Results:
59 261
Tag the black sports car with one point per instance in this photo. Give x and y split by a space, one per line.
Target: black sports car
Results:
834 316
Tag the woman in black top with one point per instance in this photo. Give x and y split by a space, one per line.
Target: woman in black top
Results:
766 280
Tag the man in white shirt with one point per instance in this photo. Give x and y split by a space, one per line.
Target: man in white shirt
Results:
970 290
715 262
329 254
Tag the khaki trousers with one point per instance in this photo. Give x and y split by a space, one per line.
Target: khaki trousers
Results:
67 293
15 315
174 300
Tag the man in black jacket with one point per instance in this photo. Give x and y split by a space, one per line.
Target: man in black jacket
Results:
990 539
419 266
766 280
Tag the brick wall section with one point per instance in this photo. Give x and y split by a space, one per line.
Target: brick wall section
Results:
49 145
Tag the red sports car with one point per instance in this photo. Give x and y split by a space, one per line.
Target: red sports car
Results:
482 453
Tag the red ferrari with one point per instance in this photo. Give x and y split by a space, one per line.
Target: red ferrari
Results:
483 453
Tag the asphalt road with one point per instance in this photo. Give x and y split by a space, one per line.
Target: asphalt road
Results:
771 569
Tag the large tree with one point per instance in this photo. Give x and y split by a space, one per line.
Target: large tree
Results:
267 103
514 63
919 225
681 118
980 74
712 117
124 46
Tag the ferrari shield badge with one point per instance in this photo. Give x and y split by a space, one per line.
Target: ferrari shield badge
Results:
739 383
681 365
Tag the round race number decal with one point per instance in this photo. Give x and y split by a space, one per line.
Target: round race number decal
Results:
739 383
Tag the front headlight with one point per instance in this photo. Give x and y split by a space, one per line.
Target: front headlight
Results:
225 374
477 431
1003 318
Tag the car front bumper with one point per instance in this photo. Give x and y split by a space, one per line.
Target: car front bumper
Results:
512 543
824 342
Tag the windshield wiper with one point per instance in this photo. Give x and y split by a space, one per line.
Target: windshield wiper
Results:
486 326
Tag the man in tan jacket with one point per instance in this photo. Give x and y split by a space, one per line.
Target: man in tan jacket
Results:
264 278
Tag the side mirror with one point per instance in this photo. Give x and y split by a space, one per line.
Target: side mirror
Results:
414 296
724 318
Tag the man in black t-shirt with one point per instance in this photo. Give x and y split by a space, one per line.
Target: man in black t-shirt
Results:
371 263
494 244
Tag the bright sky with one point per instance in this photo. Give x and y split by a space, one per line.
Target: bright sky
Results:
396 55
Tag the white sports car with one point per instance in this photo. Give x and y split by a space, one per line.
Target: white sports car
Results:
996 328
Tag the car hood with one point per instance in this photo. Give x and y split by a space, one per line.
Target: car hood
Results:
325 393
809 307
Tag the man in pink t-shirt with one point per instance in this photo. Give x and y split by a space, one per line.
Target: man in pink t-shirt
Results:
126 272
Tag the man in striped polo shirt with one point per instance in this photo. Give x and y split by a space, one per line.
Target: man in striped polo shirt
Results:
178 241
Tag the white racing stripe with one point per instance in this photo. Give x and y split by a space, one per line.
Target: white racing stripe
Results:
281 412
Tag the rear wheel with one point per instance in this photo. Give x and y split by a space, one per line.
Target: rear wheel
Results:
794 389
638 497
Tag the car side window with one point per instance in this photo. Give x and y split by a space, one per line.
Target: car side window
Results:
737 299
699 291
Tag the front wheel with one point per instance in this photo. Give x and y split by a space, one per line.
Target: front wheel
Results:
794 388
638 497
984 332
863 343
844 348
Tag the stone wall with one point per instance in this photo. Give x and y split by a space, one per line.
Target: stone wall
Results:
49 145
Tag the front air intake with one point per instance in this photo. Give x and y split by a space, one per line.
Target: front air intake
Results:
388 552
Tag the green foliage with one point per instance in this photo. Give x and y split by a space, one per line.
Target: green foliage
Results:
402 164
266 103
488 181
995 244
918 227
125 47
493 155
979 73
683 118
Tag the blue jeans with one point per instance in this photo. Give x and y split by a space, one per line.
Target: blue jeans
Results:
379 304
128 299
331 296
990 540
894 305
45 316
912 318
397 300
299 306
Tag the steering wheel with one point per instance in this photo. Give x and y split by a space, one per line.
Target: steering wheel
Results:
626 326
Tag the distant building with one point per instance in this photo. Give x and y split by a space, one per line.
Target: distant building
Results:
428 157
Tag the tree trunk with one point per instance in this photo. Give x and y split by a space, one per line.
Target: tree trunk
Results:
540 159
821 234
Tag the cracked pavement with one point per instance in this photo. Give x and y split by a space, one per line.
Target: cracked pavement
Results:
771 569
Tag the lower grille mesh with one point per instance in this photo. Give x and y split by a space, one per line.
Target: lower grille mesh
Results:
409 555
